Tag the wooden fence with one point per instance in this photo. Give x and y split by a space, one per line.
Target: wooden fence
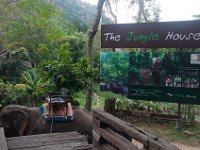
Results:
111 133
3 143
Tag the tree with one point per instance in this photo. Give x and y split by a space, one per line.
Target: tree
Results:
37 22
34 84
8 11
67 73
12 62
109 7
148 10
196 16
91 35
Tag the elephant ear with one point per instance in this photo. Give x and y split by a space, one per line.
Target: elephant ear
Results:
17 121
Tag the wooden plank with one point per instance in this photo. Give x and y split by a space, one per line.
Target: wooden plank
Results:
117 140
3 143
102 146
64 146
137 134
44 141
164 116
95 143
106 147
42 136
96 122
121 126
96 136
36 142
46 138
157 145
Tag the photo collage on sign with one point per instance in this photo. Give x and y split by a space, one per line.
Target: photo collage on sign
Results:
151 74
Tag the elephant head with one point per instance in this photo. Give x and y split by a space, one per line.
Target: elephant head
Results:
13 122
16 120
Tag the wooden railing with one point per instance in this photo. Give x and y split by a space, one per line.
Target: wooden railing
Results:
3 143
111 133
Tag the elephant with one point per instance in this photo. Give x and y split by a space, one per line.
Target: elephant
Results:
21 120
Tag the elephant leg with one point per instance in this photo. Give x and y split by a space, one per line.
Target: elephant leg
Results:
21 122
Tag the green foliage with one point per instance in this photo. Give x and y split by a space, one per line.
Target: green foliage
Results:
114 66
80 97
39 48
35 85
121 103
190 113
79 13
77 46
11 94
36 23
66 73
13 62
168 130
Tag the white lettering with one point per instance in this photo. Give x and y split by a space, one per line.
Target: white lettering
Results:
170 35
107 36
189 37
112 37
117 38
177 36
197 36
182 37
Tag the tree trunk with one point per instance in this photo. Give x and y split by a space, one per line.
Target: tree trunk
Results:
32 100
33 104
111 12
141 11
91 35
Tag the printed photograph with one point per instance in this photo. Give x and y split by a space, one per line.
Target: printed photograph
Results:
177 81
194 83
186 83
195 59
114 72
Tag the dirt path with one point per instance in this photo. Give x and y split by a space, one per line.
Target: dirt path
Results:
97 99
185 147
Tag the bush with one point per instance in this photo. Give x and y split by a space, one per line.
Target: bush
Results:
12 94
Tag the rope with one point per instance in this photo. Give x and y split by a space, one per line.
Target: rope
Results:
51 125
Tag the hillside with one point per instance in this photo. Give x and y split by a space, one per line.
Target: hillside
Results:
79 13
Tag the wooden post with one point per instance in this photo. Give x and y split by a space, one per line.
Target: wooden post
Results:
110 105
178 123
3 143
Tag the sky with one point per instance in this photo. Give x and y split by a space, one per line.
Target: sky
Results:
171 10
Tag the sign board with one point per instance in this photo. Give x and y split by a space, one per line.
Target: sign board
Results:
157 76
181 34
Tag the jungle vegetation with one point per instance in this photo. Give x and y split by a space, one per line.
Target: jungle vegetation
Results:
44 47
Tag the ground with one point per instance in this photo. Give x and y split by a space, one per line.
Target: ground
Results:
167 130
185 147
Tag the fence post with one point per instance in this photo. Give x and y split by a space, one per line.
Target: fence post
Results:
3 143
110 105
178 123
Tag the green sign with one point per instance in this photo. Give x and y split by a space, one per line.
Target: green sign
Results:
156 76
